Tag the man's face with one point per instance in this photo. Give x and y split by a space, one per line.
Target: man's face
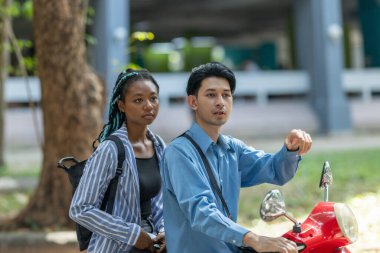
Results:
213 104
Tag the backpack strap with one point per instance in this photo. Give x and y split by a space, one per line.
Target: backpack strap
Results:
209 172
110 195
120 150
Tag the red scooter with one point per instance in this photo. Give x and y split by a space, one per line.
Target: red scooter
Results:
329 227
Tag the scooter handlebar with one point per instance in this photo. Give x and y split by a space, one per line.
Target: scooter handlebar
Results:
250 250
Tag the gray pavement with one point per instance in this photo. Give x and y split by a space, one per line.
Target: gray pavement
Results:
248 121
260 126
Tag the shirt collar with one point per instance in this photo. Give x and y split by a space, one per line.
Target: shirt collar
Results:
224 142
203 139
123 129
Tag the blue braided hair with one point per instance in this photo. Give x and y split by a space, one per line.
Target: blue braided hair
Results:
116 118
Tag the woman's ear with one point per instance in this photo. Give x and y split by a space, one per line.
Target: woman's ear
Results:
120 105
192 102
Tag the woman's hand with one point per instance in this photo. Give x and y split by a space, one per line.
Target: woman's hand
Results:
159 243
144 241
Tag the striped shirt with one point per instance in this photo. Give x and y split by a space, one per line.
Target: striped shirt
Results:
117 232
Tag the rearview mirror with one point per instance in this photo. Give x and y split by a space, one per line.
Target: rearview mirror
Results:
326 177
272 206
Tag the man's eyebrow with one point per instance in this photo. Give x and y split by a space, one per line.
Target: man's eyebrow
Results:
211 89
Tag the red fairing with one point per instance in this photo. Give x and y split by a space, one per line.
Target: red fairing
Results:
320 231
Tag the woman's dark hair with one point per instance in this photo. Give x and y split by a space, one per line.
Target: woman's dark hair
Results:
116 117
212 69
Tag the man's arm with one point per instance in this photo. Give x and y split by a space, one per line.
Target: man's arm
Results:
258 167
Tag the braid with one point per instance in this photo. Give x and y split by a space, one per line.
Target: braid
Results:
116 118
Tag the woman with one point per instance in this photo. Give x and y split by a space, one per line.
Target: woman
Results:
136 223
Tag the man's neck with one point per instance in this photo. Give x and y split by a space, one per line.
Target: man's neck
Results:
212 131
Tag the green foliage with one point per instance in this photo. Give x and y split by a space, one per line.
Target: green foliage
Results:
28 9
23 10
90 40
24 44
90 15
13 10
18 9
29 63
354 172
132 66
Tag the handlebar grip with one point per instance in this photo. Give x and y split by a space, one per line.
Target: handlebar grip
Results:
250 250
247 250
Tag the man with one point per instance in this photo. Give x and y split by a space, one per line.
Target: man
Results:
195 219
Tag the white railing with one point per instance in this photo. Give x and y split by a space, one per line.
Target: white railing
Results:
260 84
366 82
15 90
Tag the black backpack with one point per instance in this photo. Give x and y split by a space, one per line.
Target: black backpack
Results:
75 172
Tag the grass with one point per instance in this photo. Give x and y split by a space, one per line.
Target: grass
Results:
12 202
354 172
21 171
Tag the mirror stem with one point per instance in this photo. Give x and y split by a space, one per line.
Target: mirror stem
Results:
297 225
291 218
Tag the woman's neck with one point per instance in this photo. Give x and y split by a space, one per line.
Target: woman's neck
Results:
136 133
142 146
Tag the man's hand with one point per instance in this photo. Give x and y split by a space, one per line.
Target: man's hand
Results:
298 140
268 244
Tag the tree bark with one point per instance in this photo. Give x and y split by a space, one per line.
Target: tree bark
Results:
72 100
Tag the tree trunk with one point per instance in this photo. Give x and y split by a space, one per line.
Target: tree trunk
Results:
72 102
4 61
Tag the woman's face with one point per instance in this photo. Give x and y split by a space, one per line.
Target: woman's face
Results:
140 104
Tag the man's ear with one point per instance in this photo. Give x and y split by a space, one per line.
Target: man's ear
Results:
120 105
192 102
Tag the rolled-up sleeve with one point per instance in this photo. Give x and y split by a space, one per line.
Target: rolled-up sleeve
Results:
258 167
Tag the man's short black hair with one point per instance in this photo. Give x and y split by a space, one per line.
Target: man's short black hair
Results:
212 69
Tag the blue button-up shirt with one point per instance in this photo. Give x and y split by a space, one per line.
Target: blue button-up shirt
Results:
195 220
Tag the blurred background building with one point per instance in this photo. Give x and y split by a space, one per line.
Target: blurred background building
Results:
324 52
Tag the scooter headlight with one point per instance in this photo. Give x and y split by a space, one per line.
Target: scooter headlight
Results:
346 221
